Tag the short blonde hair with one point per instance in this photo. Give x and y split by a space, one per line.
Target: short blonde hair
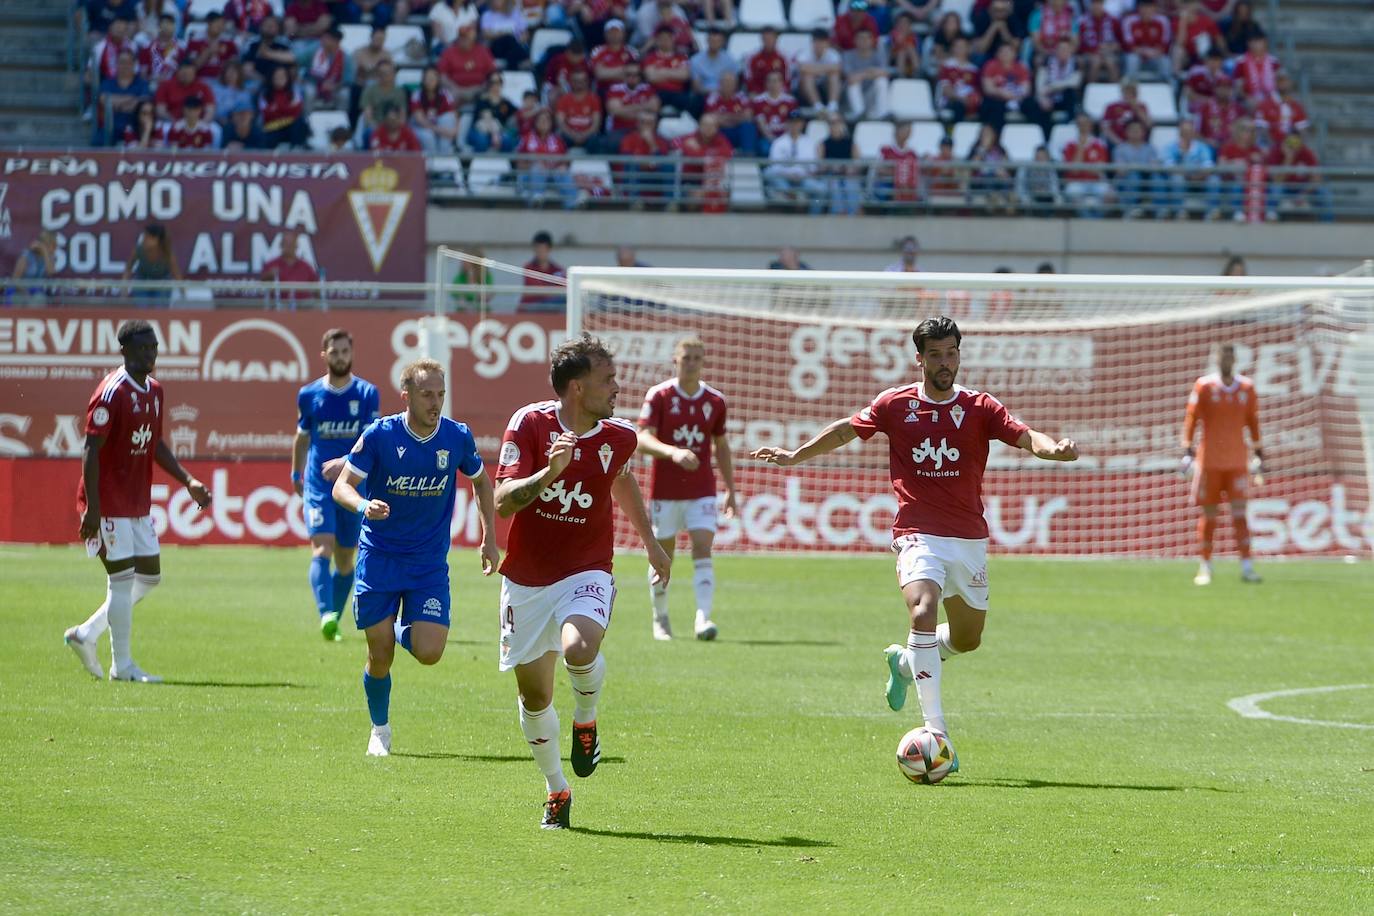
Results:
410 376
688 343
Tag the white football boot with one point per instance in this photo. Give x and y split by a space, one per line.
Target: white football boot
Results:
1204 574
133 673
85 651
379 742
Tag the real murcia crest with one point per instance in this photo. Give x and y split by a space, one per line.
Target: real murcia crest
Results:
441 459
706 411
606 453
353 408
378 209
956 413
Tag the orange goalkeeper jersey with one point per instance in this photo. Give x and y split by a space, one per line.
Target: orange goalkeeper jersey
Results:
1225 411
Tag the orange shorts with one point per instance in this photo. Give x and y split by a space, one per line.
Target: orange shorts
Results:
1212 487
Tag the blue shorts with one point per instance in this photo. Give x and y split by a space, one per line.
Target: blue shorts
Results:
324 516
387 585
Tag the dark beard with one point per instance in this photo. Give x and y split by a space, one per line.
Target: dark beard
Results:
341 374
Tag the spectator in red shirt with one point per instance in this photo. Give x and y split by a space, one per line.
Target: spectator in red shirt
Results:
1147 36
578 113
465 65
158 58
1216 115
1099 41
767 59
1086 189
393 134
1123 111
213 50
1244 189
144 131
1053 21
544 166
666 70
1195 37
648 177
192 131
854 20
903 45
625 101
1257 71
543 266
944 181
289 267
1006 84
433 115
735 111
772 108
326 73
1200 82
171 96
706 155
304 24
1294 183
897 179
560 67
247 15
105 55
1282 115
610 59
958 92
282 107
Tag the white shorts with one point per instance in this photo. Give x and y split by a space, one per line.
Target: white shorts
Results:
123 538
532 617
959 566
673 515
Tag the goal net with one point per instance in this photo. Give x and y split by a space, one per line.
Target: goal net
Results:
1108 361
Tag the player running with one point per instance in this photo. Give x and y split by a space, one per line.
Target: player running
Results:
562 462
331 413
409 460
1227 405
123 439
689 414
938 435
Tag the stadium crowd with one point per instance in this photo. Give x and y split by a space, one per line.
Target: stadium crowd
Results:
884 103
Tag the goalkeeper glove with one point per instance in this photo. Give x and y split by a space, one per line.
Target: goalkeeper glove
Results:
1257 470
1185 466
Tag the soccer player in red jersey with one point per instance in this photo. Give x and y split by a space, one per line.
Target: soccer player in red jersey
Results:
938 435
123 439
682 421
561 464
1226 405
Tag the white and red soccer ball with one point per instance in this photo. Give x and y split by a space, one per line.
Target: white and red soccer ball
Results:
925 756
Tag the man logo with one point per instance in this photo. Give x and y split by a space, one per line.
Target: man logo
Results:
441 459
352 408
245 362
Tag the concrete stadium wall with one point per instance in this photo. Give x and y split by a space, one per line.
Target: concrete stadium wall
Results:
868 243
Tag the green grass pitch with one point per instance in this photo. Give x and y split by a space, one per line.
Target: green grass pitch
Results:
1102 769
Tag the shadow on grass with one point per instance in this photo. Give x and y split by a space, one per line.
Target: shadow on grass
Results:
821 643
284 685
795 842
1012 783
484 758
470 642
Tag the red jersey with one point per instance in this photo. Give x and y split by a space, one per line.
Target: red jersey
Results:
959 80
247 15
1200 35
1096 31
159 63
1281 117
327 70
1225 411
1138 32
760 64
670 61
774 112
1258 75
467 69
636 145
1056 24
180 135
846 28
1214 119
1093 151
535 145
686 421
1203 81
1304 158
627 95
606 56
937 452
730 106
130 418
906 171
280 108
579 112
403 140
1015 79
568 529
1232 153
561 67
440 103
106 56
1119 114
223 51
173 95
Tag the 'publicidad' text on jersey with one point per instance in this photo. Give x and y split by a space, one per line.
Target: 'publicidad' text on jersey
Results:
129 416
569 527
690 421
416 478
937 452
334 418
1225 412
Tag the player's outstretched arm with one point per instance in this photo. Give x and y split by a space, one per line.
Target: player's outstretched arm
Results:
1043 446
517 493
625 491
725 461
346 494
486 504
650 444
168 462
832 437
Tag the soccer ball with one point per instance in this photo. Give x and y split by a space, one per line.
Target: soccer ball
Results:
924 756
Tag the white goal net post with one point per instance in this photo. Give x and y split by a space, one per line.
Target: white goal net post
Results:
1109 361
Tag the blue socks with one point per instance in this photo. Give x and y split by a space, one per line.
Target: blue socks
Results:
321 584
378 690
343 587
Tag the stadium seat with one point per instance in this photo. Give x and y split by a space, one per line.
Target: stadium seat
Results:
812 14
872 136
910 100
199 9
446 171
409 78
925 137
398 39
1021 141
486 176
355 37
677 126
321 123
963 7
1162 136
790 44
1061 135
746 184
699 37
515 83
755 14
965 135
547 38
592 170
1159 101
817 130
1098 96
742 45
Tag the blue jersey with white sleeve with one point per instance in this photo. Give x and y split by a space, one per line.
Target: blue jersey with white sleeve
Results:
334 418
417 478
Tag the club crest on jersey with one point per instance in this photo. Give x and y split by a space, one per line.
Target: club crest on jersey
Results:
956 413
913 404
606 453
352 408
677 406
706 411
441 459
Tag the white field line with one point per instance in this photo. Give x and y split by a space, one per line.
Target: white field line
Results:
1249 706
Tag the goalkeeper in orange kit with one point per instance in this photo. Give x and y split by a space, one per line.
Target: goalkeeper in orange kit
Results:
1226 405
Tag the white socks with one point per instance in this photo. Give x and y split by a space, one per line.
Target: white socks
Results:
942 637
99 621
143 584
120 611
586 683
658 593
541 731
923 658
704 582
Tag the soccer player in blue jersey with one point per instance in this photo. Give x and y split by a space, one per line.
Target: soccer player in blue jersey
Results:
332 412
410 461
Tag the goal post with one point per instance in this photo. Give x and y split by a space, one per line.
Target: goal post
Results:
1107 360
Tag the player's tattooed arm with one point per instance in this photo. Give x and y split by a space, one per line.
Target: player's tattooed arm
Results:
168 462
837 434
514 495
1043 446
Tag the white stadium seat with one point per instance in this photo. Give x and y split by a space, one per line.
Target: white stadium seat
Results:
813 14
1098 96
965 135
515 83
1021 140
448 168
1061 135
746 184
321 124
355 37
963 7
910 100
1159 102
199 9
872 136
1162 136
678 126
547 38
790 44
817 130
398 42
755 14
742 45
597 170
409 78
485 174
925 137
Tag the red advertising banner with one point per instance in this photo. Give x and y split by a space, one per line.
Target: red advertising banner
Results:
360 217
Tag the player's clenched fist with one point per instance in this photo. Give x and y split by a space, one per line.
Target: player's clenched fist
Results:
779 456
561 452
1064 450
376 510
